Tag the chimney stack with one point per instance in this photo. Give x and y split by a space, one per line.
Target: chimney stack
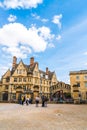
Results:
14 62
47 70
31 60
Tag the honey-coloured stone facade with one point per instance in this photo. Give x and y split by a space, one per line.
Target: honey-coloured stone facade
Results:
26 80
78 81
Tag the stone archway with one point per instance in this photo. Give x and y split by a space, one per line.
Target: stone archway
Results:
19 91
57 96
36 90
5 96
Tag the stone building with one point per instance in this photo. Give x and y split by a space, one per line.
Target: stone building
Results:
26 80
61 89
78 81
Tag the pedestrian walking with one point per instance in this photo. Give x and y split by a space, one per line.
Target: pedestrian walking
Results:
27 100
23 100
37 99
43 100
46 100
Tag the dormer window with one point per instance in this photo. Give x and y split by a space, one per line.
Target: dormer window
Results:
35 73
20 71
23 71
41 75
46 76
77 77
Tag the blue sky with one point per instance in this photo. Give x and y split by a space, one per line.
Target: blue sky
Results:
54 32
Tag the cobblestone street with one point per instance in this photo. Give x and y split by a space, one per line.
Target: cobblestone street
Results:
53 117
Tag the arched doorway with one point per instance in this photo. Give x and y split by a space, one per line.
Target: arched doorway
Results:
58 96
36 91
5 96
19 92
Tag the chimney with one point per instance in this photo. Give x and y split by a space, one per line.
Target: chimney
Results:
14 62
47 70
31 60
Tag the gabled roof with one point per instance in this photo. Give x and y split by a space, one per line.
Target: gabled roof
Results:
13 70
50 74
29 68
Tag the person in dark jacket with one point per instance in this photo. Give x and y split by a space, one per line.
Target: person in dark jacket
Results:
23 100
46 99
43 100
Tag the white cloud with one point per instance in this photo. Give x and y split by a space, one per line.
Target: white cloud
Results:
44 20
17 40
51 45
58 37
45 33
85 64
85 53
15 51
12 18
39 18
20 3
56 20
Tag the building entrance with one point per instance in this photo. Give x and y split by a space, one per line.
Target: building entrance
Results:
58 95
5 96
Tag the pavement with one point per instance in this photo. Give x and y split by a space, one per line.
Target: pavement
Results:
52 117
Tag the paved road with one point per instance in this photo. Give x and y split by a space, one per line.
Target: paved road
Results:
53 117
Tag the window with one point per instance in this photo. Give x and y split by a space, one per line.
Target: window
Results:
6 87
23 71
85 84
85 77
20 79
46 76
20 71
15 79
29 79
41 81
15 87
36 80
78 84
77 77
35 73
24 87
14 95
7 79
41 75
17 71
24 79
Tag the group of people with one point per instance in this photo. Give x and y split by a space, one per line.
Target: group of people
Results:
44 100
28 100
